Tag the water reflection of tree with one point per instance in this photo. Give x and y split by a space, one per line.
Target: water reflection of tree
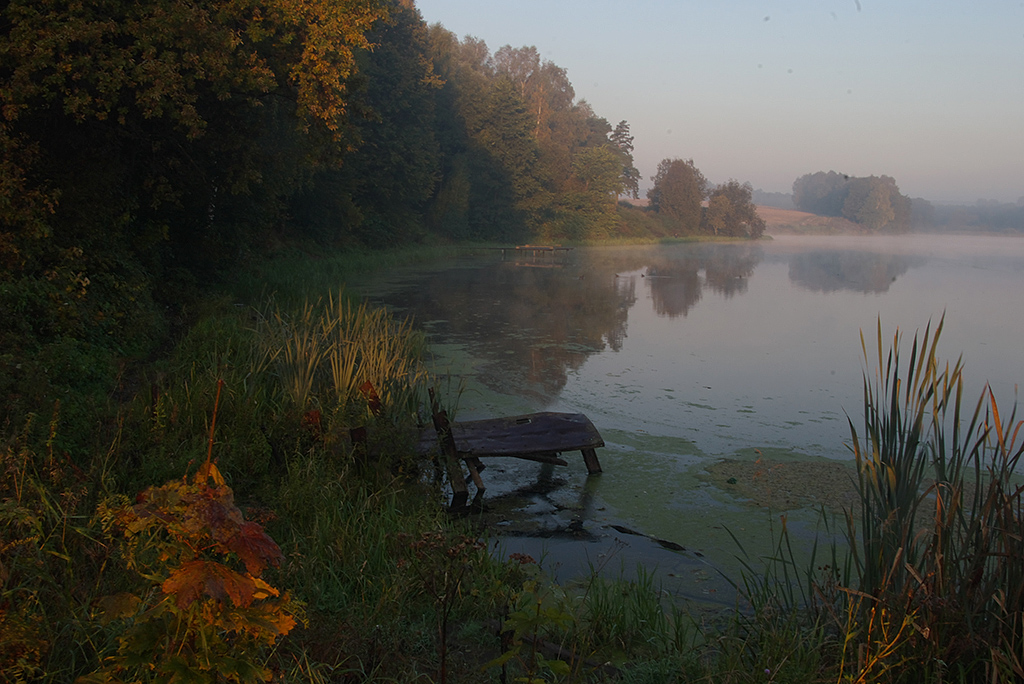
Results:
676 285
530 326
728 270
847 270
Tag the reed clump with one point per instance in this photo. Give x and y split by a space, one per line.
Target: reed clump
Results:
926 581
939 549
337 355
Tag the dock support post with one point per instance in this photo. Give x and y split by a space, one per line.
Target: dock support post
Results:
460 493
590 458
475 466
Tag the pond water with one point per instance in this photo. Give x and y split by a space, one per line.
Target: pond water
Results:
710 370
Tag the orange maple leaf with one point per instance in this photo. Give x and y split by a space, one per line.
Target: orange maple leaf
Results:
215 580
209 471
372 398
217 516
255 548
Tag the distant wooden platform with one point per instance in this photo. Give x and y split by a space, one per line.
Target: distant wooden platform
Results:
538 437
535 250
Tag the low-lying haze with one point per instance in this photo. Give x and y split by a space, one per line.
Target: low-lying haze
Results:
930 93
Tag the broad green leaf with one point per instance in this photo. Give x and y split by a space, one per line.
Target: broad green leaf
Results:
559 667
502 659
117 606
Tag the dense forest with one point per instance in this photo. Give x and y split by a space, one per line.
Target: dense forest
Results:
164 167
149 147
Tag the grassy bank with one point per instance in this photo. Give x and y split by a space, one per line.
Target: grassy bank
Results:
232 523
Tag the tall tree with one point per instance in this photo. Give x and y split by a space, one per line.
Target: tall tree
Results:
586 210
868 203
550 98
145 144
519 65
679 188
544 86
465 69
598 170
623 142
821 193
902 208
505 133
731 211
872 201
549 175
396 165
171 103
516 147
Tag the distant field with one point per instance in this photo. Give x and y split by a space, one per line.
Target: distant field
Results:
791 221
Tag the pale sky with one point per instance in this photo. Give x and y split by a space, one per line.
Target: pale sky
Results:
929 92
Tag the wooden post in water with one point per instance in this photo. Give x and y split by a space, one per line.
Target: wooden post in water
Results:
460 493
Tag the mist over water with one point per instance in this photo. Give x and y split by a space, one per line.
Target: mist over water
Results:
727 345
692 357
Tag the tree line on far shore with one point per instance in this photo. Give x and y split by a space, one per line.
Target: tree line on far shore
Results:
876 203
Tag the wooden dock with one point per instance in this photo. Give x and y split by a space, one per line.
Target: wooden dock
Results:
535 250
540 437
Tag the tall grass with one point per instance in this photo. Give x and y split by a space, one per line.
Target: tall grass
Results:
325 352
782 627
51 562
928 584
940 546
619 617
342 530
340 527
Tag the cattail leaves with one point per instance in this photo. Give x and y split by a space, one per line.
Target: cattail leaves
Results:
940 547
326 351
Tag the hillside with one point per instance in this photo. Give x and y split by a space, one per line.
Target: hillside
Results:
800 222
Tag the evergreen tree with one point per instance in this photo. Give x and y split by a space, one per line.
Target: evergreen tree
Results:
623 142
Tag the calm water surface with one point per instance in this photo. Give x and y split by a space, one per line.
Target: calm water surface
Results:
684 355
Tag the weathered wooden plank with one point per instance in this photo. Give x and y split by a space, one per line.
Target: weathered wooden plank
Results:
534 437
475 466
535 433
